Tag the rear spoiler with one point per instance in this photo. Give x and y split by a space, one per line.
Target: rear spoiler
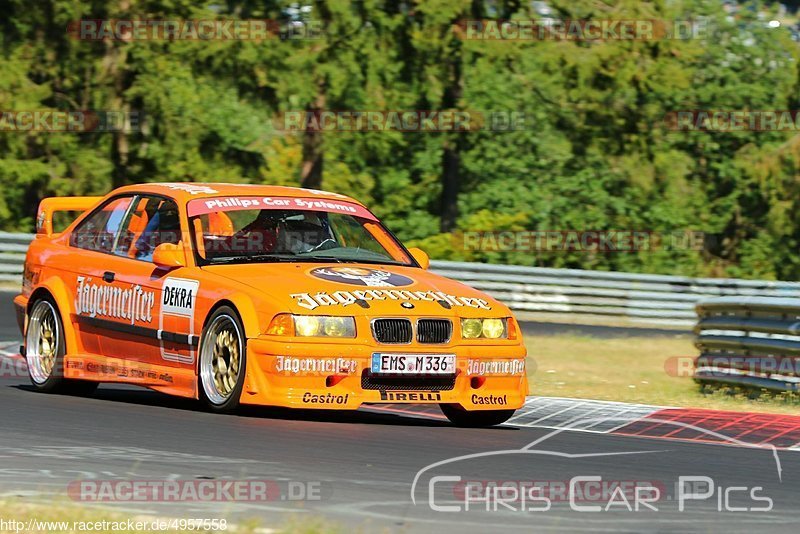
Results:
49 206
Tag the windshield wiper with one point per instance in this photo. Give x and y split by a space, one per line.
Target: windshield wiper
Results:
266 258
346 260
310 258
272 258
379 262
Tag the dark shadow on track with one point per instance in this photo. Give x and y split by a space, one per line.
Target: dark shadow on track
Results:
133 395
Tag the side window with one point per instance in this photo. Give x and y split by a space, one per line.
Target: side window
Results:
152 221
98 231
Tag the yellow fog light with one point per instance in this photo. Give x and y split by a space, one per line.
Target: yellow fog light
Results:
471 328
339 327
493 328
324 326
306 325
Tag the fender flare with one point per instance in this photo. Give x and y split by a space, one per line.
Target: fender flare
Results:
246 309
57 289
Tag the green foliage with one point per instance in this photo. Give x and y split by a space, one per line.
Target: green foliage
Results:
595 152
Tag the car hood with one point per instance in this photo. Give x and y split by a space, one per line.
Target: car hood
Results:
361 289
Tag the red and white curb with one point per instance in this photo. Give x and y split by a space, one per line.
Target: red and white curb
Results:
642 420
546 412
579 414
688 424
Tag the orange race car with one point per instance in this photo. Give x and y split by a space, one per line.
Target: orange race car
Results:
241 294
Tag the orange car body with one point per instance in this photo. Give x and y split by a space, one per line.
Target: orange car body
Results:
142 323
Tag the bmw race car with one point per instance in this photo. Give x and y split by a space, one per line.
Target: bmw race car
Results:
241 294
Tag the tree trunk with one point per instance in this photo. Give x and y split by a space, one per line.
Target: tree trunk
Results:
114 65
313 154
313 148
451 153
451 181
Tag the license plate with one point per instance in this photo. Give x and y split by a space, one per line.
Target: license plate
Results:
413 364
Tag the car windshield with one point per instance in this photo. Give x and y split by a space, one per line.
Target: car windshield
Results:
239 234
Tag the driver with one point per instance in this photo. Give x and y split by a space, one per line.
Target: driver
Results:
163 227
258 237
304 232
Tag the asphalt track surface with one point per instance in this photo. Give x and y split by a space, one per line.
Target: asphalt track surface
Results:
361 466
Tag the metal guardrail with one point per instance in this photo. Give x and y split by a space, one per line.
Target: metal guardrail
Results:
752 342
13 247
645 298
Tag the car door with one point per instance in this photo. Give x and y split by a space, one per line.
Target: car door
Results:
146 337
94 237
177 339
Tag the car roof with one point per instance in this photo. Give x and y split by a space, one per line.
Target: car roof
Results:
185 191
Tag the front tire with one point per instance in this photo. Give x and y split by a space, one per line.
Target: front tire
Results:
222 361
45 349
476 418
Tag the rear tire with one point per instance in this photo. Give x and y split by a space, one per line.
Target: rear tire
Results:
45 349
222 361
476 418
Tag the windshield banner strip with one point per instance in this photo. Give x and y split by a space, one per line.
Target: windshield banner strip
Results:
202 206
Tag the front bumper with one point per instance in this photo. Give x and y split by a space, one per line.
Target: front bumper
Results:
336 376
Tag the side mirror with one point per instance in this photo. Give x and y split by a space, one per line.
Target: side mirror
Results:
421 257
169 255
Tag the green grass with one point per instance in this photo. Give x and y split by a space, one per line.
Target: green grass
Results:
632 370
73 513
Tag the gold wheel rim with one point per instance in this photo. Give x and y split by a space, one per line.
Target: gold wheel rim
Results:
42 341
225 362
47 344
221 359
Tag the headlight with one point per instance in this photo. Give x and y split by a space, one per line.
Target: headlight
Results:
484 328
493 328
324 325
471 328
285 324
338 327
307 326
